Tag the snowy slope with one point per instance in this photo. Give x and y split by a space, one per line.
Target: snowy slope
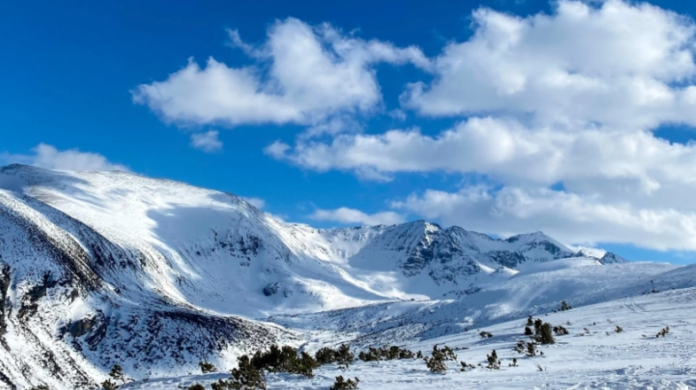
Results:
105 267
578 281
202 247
598 358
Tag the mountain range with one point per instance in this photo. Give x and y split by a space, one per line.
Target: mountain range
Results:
103 268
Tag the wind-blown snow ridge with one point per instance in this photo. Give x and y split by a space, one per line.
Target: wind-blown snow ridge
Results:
101 266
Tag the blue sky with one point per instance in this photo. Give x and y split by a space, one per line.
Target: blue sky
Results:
566 117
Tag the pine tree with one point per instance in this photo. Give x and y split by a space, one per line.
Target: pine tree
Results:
304 365
546 334
196 386
520 346
493 362
109 385
537 326
436 362
117 373
560 330
221 385
448 353
325 355
207 367
565 306
528 331
246 376
343 384
530 321
531 349
343 356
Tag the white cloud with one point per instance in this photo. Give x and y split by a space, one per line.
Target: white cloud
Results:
256 202
587 62
277 149
47 156
346 215
567 98
618 186
304 75
207 142
566 216
509 152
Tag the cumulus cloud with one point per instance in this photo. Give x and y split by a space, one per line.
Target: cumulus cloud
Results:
207 142
586 62
303 75
346 215
560 112
509 152
617 186
566 216
47 156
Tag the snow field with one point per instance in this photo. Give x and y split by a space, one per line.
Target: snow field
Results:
632 359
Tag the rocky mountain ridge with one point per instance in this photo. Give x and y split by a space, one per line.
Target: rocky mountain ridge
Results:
102 267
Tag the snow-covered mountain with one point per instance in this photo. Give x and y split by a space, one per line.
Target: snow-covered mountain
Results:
105 267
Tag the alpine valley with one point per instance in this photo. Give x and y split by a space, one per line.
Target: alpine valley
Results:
104 268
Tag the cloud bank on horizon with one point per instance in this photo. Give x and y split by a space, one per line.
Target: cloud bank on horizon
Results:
556 111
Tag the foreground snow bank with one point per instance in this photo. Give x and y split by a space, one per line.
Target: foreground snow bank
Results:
599 359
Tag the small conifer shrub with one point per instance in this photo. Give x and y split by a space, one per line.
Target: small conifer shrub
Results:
537 326
663 332
246 376
325 355
520 347
345 384
545 335
436 362
531 349
465 366
109 385
386 353
565 306
493 362
196 386
207 367
343 356
116 373
449 353
560 330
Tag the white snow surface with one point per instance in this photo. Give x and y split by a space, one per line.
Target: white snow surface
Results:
100 268
592 356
